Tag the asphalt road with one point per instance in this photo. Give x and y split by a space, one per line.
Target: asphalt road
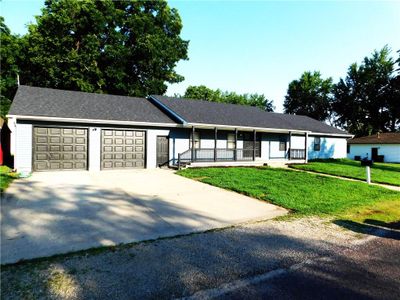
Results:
371 271
292 259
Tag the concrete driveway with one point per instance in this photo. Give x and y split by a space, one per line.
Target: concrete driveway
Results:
59 212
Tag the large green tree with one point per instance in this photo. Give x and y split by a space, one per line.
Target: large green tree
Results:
310 95
119 47
204 93
10 56
367 100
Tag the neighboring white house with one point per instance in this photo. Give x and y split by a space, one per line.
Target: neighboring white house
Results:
67 130
383 147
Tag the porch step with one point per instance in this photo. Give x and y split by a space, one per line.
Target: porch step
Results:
184 165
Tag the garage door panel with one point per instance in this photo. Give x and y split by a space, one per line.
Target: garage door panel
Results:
80 148
107 141
68 165
54 131
40 156
79 156
118 156
80 131
41 140
68 140
80 140
41 131
55 148
55 165
59 148
80 165
68 131
119 150
41 148
55 140
41 166
55 156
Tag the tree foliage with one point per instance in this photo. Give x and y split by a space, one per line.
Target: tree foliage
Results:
9 59
310 95
119 47
367 100
204 93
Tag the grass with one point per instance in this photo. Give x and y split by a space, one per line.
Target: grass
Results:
303 193
6 176
385 214
380 172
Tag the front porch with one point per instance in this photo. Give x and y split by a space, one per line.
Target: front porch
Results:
221 147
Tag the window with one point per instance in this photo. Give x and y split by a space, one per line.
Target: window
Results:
231 141
348 148
317 143
196 140
282 144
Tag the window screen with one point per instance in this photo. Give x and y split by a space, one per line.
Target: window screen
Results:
317 143
231 141
282 145
196 140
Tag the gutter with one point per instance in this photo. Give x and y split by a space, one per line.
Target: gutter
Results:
94 121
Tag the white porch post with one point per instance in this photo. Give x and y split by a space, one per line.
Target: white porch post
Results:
254 144
193 150
215 143
305 147
236 141
290 145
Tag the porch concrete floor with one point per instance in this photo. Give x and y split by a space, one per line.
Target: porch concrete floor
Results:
58 212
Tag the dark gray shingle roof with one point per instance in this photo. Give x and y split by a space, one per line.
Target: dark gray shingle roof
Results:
35 101
205 112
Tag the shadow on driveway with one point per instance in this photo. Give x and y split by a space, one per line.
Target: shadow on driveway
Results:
42 221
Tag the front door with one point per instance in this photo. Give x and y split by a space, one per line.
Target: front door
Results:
162 150
374 154
248 144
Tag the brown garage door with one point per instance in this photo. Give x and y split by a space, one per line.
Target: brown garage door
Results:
122 149
59 148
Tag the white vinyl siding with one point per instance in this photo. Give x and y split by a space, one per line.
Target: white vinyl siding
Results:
94 148
23 148
330 147
391 152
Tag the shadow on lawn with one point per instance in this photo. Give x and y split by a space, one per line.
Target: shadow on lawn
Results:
372 227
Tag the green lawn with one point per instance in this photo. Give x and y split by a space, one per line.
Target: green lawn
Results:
304 193
380 172
6 176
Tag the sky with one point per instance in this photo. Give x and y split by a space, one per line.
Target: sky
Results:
260 46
